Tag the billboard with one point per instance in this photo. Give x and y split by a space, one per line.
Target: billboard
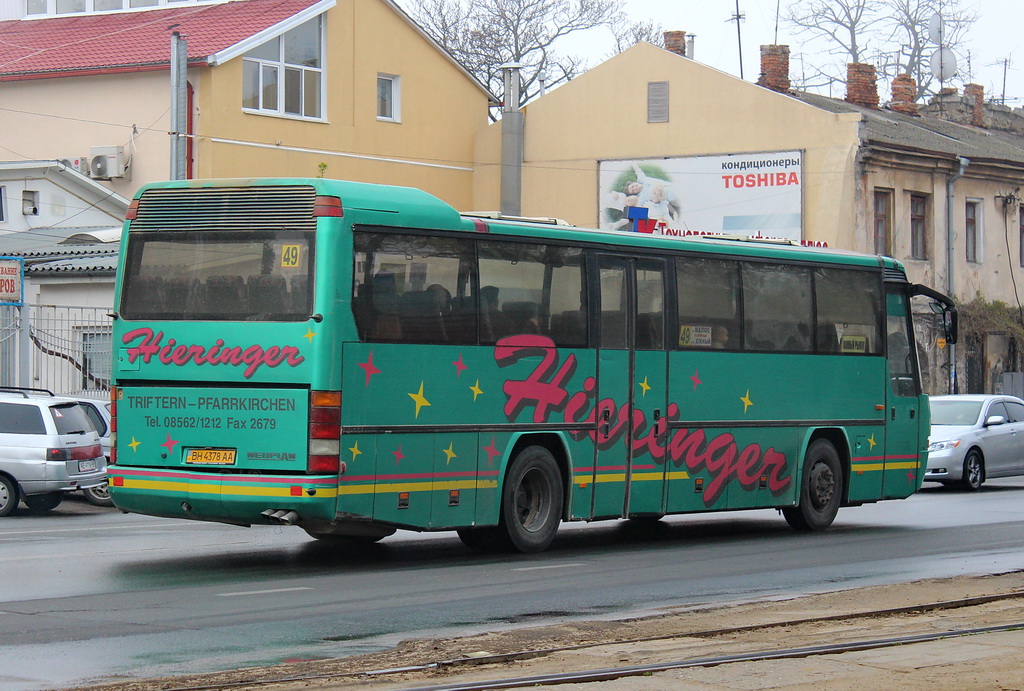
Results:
758 194
12 270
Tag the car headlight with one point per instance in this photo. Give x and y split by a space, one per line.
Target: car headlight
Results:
941 445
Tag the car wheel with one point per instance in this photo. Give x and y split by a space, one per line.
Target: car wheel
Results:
821 490
974 471
98 496
44 502
8 495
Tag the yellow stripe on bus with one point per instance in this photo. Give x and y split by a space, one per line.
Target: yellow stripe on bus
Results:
583 480
237 490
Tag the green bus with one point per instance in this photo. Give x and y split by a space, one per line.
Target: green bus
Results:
355 359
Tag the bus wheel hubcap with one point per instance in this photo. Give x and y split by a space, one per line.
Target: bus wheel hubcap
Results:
822 485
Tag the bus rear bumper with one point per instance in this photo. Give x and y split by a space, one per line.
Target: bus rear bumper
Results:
224 498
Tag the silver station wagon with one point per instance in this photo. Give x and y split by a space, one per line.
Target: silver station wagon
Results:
975 437
48 447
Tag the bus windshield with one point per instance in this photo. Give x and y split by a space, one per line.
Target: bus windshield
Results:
218 276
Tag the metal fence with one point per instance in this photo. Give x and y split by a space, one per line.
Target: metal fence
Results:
66 350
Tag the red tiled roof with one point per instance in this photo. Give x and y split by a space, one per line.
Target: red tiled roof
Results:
128 41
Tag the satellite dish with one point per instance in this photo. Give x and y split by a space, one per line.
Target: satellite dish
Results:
943 64
936 29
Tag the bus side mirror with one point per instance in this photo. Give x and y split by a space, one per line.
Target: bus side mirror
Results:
950 324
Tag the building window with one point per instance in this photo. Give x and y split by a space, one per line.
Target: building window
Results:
971 212
284 76
883 221
34 8
389 97
657 101
96 354
918 226
3 204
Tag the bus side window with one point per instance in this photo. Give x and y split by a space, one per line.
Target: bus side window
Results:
708 298
777 312
849 312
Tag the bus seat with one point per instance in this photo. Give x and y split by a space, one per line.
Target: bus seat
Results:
461 321
421 317
569 328
181 293
148 293
523 315
227 290
827 341
299 293
613 329
268 294
650 331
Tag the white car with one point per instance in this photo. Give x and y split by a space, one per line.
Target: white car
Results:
975 437
48 447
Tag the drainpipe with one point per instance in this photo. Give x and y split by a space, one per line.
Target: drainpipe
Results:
179 102
950 283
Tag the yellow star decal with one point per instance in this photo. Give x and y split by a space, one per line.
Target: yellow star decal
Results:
476 389
135 444
355 451
419 399
309 334
450 453
871 442
645 386
746 401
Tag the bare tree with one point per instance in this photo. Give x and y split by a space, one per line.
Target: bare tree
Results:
485 34
892 34
908 34
628 34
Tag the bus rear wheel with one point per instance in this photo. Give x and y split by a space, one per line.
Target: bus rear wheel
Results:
532 500
821 489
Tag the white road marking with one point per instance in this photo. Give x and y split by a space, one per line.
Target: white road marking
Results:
260 592
551 566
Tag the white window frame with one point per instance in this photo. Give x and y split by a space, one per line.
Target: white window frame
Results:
979 245
396 97
281 66
90 7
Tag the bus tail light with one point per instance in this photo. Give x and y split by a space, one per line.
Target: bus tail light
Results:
113 425
324 432
328 206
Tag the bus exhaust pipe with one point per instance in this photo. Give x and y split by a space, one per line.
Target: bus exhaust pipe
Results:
283 516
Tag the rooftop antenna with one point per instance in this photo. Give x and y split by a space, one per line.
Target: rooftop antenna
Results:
739 42
777 7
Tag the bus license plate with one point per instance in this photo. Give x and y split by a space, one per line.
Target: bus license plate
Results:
86 466
210 456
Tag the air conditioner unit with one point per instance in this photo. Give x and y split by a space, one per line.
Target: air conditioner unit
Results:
106 162
76 163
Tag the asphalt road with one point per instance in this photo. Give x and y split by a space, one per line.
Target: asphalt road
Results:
90 594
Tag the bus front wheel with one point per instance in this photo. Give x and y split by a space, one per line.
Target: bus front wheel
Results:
531 500
821 489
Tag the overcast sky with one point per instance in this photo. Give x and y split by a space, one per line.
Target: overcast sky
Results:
997 35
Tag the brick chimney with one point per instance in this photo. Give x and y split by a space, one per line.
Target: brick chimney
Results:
675 41
975 94
774 68
861 89
904 95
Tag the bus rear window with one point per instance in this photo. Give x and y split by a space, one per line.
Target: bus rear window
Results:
218 276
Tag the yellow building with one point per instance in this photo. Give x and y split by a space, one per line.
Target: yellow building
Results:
351 89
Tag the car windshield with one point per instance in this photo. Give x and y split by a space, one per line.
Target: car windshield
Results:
955 412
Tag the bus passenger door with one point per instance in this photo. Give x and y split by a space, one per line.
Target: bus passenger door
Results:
904 461
631 387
